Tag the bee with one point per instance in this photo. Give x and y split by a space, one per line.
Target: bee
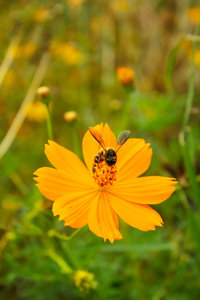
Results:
109 155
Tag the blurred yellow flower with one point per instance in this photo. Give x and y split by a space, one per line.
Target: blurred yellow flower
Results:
125 75
26 50
194 15
187 48
84 280
42 14
10 78
36 112
197 58
120 6
68 52
75 3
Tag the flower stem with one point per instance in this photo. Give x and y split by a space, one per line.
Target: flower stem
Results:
127 107
183 136
60 261
20 116
49 123
53 232
190 95
76 145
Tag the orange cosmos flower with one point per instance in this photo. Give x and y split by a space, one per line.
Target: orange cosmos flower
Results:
97 197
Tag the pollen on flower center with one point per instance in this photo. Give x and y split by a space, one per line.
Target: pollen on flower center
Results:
103 174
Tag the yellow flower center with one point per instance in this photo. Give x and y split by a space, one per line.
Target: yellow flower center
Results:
104 175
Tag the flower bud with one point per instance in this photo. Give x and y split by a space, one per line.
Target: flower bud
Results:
44 93
125 76
70 116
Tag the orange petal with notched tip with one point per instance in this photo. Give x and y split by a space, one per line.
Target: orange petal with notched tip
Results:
133 159
144 190
102 220
73 208
140 216
91 147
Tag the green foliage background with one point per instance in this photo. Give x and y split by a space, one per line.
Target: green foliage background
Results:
148 36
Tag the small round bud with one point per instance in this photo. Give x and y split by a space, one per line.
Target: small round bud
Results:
125 76
43 92
70 116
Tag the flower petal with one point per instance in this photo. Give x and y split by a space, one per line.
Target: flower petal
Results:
63 159
145 190
140 216
102 220
133 159
54 183
73 208
91 147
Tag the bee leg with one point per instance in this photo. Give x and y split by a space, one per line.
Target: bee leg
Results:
100 155
93 169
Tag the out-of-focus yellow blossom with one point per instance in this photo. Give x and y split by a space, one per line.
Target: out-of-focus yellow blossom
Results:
42 14
70 116
10 205
36 112
68 52
187 48
197 58
125 75
84 280
10 78
75 3
194 15
120 6
26 50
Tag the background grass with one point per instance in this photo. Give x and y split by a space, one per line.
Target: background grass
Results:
83 43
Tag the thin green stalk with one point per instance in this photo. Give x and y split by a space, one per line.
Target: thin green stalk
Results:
127 107
54 233
189 167
49 123
183 135
60 261
75 139
190 96
20 116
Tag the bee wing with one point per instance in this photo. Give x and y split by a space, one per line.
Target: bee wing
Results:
98 137
122 138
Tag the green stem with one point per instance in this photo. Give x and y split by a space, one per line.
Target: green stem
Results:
189 167
182 137
49 123
190 96
60 261
127 107
191 84
54 233
75 139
